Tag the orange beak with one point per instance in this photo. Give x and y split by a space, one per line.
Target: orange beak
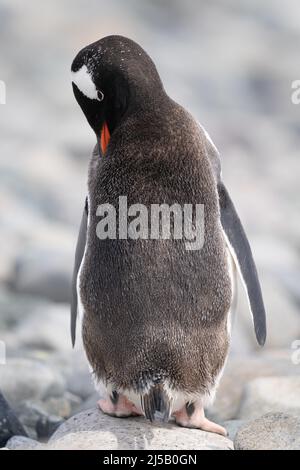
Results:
105 136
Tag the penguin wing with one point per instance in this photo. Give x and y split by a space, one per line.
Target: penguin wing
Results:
238 245
80 247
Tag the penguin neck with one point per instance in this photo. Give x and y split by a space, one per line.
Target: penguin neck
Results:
145 98
144 87
132 95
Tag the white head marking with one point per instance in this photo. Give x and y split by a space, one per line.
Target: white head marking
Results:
84 82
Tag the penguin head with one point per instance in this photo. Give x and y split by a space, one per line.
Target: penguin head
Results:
111 78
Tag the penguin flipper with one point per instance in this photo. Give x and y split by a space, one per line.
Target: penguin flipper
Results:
240 250
238 244
80 247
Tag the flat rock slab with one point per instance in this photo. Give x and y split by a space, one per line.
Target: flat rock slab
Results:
271 394
273 431
93 430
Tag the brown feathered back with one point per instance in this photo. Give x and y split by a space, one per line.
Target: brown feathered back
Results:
153 310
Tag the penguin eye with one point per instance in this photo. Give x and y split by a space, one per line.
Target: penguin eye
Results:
100 95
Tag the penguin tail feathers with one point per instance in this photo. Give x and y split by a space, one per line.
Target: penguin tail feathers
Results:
156 404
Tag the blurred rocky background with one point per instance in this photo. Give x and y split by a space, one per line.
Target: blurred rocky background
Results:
231 64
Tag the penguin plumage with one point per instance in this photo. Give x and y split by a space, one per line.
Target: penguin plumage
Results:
155 320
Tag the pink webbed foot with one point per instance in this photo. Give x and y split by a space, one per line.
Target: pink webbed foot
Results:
118 406
192 416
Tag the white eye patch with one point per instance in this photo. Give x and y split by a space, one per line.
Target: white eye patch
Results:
83 80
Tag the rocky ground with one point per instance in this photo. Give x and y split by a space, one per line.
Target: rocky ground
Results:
232 64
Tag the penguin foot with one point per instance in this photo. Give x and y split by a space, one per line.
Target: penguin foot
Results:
192 416
118 406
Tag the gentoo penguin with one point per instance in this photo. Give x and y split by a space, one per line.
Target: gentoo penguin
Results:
155 316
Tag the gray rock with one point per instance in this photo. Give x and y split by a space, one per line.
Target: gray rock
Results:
274 253
273 431
15 307
25 379
9 422
78 377
38 200
90 402
291 280
46 328
45 273
232 426
240 371
271 394
277 300
24 443
37 420
29 414
80 383
47 425
62 406
92 429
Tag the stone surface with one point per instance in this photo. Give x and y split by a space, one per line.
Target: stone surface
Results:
79 377
15 308
241 370
92 429
279 303
46 328
271 394
277 300
9 422
62 406
232 426
90 402
38 419
44 272
29 413
25 379
47 425
24 443
273 431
